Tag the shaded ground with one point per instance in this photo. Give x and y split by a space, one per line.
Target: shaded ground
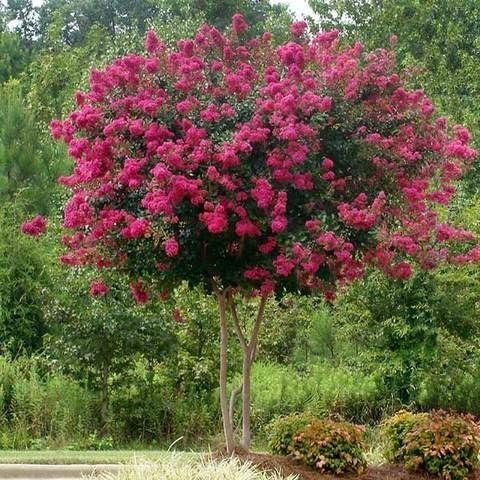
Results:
287 466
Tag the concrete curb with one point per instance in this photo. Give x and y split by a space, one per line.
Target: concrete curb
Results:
34 471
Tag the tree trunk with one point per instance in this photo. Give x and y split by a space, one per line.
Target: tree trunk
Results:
249 349
227 424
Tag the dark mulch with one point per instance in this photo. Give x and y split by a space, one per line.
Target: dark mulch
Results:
288 466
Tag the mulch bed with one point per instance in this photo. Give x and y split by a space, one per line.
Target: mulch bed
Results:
288 466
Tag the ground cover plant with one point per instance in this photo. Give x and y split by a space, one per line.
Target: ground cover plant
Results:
177 468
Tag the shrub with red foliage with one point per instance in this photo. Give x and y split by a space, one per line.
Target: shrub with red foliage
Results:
440 443
331 447
282 430
263 167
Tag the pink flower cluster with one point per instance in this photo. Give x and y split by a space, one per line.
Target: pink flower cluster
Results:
34 227
262 167
98 288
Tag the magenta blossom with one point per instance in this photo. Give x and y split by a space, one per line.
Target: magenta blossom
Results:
34 227
98 288
263 167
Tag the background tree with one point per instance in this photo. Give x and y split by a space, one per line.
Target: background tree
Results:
13 57
98 341
29 163
24 17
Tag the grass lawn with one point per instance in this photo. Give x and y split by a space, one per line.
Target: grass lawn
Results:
67 457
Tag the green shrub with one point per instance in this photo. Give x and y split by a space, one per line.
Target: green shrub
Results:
458 360
328 446
148 406
394 430
282 430
445 444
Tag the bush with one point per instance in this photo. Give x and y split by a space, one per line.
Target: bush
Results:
282 430
328 446
394 430
147 405
440 443
446 444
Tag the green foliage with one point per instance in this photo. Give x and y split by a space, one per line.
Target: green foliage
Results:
328 446
285 328
401 332
23 13
55 74
147 406
43 408
13 57
75 19
345 393
97 338
440 443
282 430
56 408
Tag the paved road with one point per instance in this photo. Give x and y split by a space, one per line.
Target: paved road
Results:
52 472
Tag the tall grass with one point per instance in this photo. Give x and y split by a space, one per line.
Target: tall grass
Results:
323 390
41 407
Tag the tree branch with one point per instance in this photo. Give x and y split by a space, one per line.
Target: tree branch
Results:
254 338
233 397
236 322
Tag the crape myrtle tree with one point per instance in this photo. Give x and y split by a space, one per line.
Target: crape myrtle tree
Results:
254 170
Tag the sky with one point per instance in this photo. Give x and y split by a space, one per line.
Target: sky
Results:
299 7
